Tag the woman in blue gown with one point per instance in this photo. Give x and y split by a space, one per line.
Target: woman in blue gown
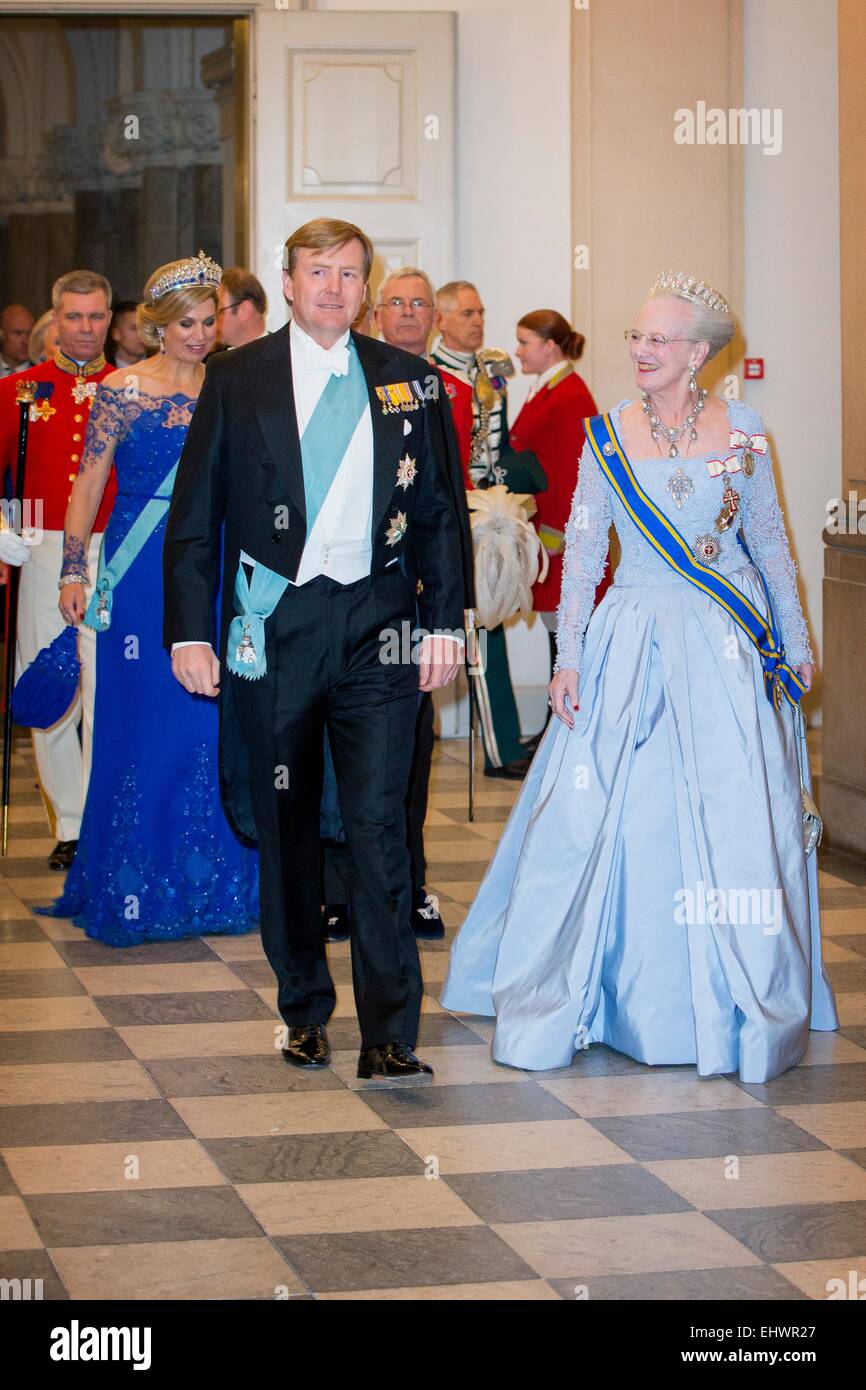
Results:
652 889
156 858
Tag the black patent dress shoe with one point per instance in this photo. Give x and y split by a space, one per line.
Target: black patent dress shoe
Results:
426 922
62 855
392 1061
531 744
335 922
515 771
308 1046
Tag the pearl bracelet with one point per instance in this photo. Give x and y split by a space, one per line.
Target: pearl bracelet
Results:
72 579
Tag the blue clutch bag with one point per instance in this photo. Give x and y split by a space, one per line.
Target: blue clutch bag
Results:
44 692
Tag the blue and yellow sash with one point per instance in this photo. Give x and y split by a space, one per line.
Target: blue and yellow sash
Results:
779 678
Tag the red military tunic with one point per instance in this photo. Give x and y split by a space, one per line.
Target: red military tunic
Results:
551 425
55 437
460 399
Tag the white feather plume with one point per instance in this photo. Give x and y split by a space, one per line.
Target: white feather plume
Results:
509 557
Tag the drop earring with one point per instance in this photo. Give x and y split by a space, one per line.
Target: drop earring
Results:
160 333
693 381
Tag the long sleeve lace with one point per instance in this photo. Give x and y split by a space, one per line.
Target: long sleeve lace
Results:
586 545
106 426
764 530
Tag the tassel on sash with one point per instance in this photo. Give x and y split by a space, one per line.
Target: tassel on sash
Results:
245 654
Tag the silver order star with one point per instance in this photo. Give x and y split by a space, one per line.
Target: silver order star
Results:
397 528
406 470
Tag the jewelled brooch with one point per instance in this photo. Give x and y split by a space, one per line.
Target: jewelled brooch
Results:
680 486
397 527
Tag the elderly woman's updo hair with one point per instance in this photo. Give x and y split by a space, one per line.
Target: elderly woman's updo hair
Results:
712 319
549 324
173 290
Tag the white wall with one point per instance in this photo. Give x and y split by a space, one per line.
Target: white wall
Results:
791 311
513 154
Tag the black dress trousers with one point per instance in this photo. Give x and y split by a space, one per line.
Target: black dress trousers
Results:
324 645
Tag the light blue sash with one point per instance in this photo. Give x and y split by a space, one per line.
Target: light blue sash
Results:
98 614
780 679
323 446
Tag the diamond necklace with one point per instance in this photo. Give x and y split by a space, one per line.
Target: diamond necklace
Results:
673 432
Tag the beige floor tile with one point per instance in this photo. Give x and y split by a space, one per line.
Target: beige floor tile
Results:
765 1180
843 921
192 977
516 1291
825 1049
30 1015
12 907
461 890
36 847
182 1269
44 1083
112 1167
354 1204
625 1245
435 817
457 800
317 1112
826 880
648 1094
455 851
502 1148
483 1028
254 1037
851 1009
834 952
490 829
17 1231
30 955
814 1277
246 947
841 1125
40 888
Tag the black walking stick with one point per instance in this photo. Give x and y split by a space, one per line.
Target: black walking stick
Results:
24 396
472 654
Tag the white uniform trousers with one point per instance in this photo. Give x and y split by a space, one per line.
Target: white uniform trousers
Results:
62 759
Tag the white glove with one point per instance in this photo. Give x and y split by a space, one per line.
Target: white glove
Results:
14 549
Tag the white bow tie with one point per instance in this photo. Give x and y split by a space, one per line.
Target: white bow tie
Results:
334 359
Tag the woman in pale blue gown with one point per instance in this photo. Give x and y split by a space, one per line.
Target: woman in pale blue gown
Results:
652 889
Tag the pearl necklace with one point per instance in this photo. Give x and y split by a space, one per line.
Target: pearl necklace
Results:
673 432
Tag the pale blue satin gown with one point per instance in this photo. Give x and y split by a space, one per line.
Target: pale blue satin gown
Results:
677 791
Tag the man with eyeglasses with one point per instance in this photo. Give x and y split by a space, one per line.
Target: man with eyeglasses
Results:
242 307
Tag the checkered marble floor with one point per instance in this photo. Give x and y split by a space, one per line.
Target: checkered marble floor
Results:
154 1145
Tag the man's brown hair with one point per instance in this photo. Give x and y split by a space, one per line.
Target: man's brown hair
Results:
242 284
324 234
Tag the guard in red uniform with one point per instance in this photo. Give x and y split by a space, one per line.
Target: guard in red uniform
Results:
58 421
551 425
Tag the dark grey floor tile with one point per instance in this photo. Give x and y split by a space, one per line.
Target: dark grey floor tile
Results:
39 984
255 973
566 1194
705 1134
843 866
7 1183
857 1155
63 1045
89 1122
212 1006
483 814
856 943
236 1076
437 1030
34 1265
120 1218
25 929
855 1033
494 1102
839 897
304 1157
821 1231
81 954
818 1085
402 1259
600 1060
848 976
25 867
684 1286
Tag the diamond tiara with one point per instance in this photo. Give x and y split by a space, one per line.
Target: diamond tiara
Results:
198 270
684 286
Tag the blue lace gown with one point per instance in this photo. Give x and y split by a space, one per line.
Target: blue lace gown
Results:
156 858
651 889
